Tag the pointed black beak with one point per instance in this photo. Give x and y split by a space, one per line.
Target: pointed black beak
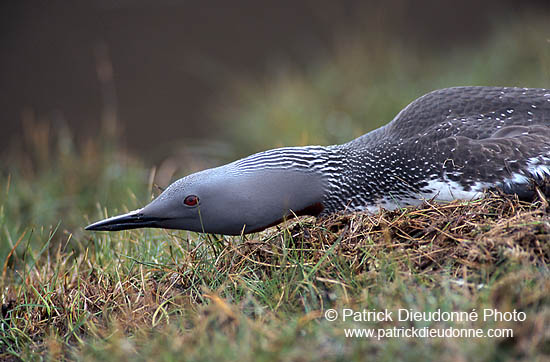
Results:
132 220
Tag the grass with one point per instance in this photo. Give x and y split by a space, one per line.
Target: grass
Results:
173 295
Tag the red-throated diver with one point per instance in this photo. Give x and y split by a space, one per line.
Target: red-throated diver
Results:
448 144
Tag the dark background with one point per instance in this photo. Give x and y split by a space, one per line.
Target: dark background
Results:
169 59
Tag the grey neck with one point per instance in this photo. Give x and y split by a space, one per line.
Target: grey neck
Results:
357 175
347 174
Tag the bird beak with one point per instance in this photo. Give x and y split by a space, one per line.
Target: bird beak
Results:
132 220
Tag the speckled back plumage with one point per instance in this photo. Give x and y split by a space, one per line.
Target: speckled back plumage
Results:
450 143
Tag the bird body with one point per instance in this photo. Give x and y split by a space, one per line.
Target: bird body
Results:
452 143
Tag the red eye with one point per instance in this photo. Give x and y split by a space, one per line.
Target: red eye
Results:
191 200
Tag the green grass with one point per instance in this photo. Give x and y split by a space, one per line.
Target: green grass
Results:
173 295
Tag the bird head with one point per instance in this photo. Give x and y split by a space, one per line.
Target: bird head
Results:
227 200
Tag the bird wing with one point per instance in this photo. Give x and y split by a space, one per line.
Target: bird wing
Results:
510 157
472 112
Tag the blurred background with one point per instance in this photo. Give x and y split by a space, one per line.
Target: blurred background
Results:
101 100
167 69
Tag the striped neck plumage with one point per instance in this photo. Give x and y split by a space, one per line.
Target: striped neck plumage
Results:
334 168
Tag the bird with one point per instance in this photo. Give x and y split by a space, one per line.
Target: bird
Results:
452 143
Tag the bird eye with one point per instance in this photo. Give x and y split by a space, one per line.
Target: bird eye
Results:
191 200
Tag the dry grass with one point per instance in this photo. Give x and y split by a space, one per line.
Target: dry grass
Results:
459 237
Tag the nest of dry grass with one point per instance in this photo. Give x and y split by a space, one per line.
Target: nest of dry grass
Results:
460 236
